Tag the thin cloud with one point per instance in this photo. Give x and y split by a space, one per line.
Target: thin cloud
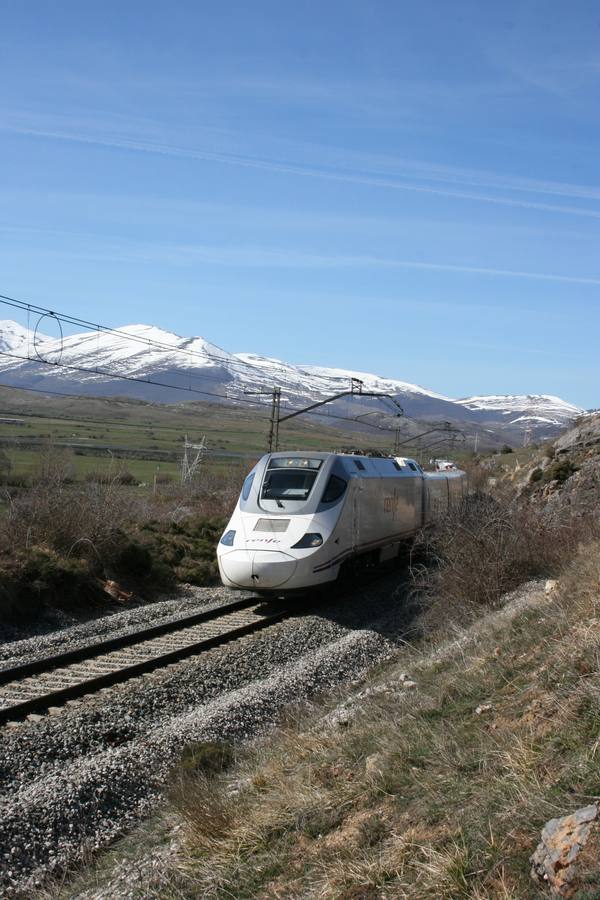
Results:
274 165
250 256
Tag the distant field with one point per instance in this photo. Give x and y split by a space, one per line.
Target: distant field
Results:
148 439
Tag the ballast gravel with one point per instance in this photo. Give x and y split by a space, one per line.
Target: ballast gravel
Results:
187 600
74 781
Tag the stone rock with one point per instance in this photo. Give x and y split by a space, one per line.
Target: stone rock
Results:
340 718
585 435
555 857
483 708
550 586
409 684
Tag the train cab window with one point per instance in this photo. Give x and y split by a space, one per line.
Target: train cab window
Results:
289 478
247 486
359 465
413 467
397 465
288 484
334 489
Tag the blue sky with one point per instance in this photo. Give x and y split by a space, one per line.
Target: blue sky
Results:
408 189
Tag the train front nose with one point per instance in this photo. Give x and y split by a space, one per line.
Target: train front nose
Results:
257 569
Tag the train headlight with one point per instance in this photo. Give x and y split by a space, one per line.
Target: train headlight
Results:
227 538
309 540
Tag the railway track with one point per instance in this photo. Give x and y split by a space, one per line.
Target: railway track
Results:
54 680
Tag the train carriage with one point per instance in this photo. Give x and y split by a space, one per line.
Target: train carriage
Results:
300 517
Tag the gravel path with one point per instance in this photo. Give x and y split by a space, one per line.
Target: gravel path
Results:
187 600
72 782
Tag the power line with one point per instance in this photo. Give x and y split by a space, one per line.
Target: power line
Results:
32 390
146 341
239 366
106 329
83 420
155 383
131 378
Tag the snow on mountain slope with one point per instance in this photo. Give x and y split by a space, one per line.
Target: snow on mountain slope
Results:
94 361
523 408
13 336
134 350
371 382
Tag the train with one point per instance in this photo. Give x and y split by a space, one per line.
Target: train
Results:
302 516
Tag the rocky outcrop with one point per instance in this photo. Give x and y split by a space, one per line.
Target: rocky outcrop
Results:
585 435
557 858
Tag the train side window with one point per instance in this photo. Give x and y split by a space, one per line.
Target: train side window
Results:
247 486
413 467
334 489
397 465
359 464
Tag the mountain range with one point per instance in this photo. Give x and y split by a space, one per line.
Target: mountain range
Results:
155 365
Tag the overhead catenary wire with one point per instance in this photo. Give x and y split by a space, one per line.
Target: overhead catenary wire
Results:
235 364
69 319
131 378
144 426
204 354
112 375
232 362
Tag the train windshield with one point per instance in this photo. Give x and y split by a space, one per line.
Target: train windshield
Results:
289 478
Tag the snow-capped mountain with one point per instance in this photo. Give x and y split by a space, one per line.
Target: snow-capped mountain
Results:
14 336
155 365
525 408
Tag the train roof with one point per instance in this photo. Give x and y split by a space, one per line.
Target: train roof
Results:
365 462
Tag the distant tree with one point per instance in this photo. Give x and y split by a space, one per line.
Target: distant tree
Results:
506 449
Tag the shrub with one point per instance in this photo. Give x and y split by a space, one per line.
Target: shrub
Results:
193 571
30 580
131 556
125 477
537 474
560 470
506 449
489 546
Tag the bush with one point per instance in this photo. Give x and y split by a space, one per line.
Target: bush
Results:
199 572
40 577
537 474
506 449
187 548
131 557
560 470
489 546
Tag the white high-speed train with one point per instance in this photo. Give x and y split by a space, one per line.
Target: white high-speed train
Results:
300 516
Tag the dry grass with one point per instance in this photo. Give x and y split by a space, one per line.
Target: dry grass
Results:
490 545
419 796
59 536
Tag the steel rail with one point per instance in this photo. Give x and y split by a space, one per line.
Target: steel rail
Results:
87 651
91 652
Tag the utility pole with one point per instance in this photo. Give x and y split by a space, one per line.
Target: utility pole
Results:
356 387
274 423
274 419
